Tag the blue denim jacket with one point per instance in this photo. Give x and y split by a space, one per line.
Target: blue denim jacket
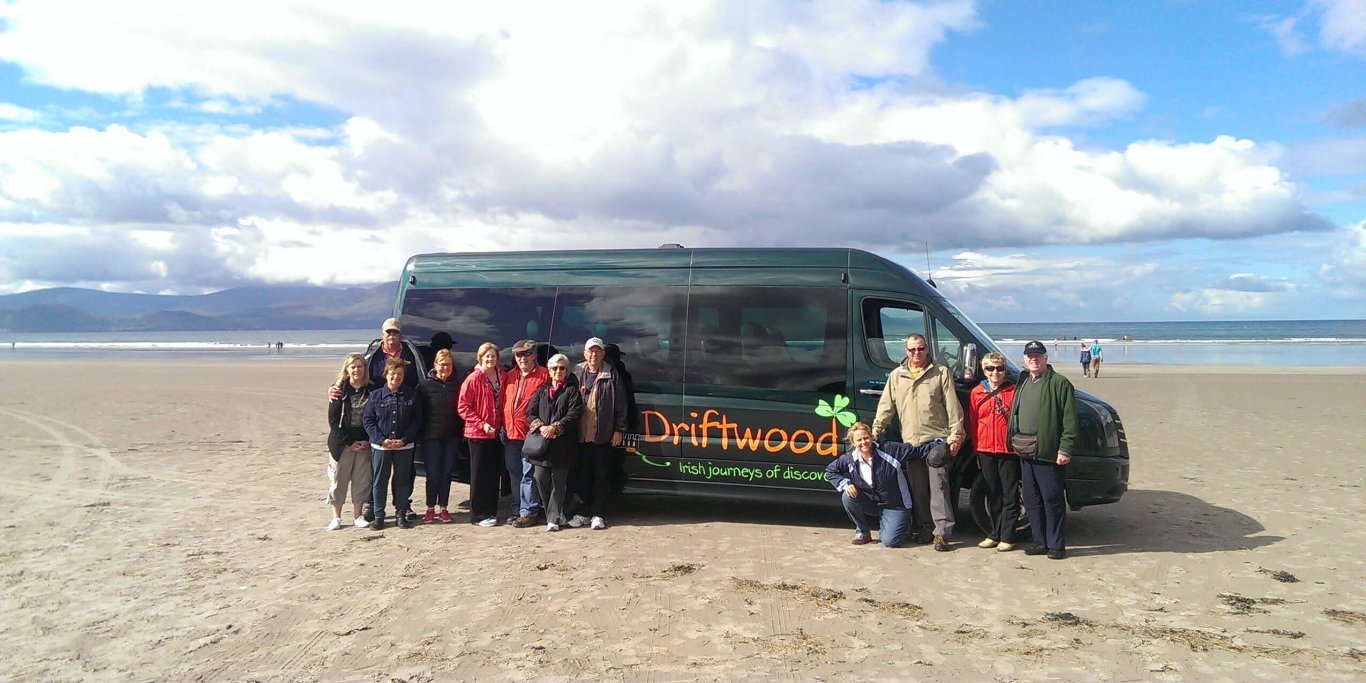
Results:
390 415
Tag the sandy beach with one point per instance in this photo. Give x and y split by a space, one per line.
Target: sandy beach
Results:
164 520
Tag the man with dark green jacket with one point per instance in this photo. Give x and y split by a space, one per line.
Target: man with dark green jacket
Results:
1043 427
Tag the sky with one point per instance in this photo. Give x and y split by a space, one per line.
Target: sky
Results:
1043 161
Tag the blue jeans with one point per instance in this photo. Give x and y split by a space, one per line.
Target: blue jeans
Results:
519 473
381 464
439 455
894 524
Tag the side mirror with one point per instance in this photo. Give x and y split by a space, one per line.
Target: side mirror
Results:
969 367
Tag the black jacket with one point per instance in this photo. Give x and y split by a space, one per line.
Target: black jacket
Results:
438 404
339 416
566 409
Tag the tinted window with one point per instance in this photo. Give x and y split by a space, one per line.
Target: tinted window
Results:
886 324
640 321
474 316
767 337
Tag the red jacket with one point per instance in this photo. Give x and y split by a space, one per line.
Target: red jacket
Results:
478 405
988 420
515 402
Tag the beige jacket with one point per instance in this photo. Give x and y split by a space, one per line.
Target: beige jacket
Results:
927 406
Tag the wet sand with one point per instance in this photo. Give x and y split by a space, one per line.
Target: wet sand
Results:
164 520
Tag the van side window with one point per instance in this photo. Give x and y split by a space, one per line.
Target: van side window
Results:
640 321
474 316
787 338
886 324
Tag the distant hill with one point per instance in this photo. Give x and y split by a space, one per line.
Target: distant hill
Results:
294 307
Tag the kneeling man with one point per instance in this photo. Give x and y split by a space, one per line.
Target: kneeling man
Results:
872 481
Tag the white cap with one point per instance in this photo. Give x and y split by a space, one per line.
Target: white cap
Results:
593 341
391 324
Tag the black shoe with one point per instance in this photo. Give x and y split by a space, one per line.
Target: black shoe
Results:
940 544
405 519
1057 554
1035 550
368 513
377 524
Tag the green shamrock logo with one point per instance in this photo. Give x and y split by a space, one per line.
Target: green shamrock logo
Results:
837 411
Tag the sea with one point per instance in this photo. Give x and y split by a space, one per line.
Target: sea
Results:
1241 343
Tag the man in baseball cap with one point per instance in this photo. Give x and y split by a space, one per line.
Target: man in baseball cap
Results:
1042 430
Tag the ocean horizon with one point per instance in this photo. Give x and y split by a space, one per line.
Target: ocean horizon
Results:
1255 343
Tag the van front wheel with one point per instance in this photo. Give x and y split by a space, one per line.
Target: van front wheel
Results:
977 502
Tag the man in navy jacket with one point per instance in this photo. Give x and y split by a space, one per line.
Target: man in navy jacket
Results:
872 481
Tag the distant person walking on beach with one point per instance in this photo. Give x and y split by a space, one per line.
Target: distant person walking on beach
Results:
871 480
1085 360
393 420
1043 427
348 442
920 395
989 415
1096 357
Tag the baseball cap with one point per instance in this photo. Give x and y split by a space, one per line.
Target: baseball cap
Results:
391 324
523 346
593 341
1035 347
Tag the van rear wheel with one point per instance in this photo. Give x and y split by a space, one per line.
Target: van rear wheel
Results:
977 502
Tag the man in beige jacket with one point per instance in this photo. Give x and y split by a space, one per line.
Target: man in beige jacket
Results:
920 395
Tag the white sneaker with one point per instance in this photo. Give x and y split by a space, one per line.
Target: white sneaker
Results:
334 524
361 523
577 521
598 523
488 522
552 527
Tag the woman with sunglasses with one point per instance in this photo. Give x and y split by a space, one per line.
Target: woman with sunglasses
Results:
988 415
554 413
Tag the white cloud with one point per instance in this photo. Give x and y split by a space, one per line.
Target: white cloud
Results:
17 114
1218 302
1345 269
489 126
1343 25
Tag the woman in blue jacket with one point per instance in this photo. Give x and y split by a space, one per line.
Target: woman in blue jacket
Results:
871 480
393 420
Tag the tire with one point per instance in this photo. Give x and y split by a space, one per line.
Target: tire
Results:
977 502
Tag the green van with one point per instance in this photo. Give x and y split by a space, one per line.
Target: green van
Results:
746 365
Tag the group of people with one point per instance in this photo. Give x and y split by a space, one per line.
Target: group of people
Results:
1091 356
1023 430
552 429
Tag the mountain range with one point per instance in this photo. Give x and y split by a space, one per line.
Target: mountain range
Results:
293 307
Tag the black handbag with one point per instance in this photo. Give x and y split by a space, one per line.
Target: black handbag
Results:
535 446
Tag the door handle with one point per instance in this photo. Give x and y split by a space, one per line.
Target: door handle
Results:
870 392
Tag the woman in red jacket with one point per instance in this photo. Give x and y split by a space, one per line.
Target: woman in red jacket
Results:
478 407
989 411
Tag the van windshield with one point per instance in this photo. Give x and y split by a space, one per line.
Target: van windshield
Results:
986 340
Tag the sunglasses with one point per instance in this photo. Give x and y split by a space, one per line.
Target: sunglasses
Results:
523 354
559 368
993 368
918 349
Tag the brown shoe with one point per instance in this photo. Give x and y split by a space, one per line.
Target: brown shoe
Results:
522 521
940 544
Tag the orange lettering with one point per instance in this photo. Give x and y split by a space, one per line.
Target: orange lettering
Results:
768 440
800 448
